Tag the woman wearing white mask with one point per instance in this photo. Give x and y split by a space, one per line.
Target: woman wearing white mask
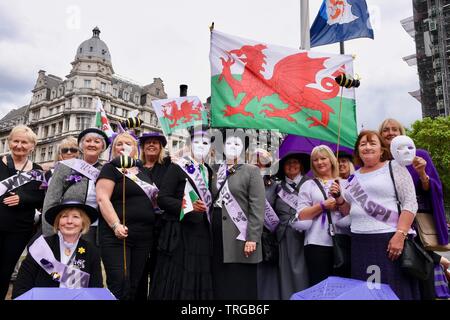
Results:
237 223
183 269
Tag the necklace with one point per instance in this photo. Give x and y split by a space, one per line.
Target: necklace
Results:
67 251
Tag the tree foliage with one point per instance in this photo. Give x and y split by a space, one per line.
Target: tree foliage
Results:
433 135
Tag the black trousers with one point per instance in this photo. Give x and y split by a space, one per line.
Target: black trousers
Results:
319 261
12 245
123 286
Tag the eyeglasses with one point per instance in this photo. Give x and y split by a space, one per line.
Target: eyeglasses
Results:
66 150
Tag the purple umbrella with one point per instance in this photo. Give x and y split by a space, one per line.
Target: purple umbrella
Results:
336 288
67 294
294 144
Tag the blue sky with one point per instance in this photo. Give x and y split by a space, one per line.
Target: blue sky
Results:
170 40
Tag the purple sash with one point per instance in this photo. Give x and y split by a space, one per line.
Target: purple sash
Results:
377 211
81 166
291 199
150 190
67 276
20 179
200 184
231 205
271 219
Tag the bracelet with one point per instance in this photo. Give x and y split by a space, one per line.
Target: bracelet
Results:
322 205
115 224
405 234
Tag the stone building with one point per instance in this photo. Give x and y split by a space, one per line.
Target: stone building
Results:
64 107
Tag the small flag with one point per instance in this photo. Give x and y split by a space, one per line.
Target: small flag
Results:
180 113
101 121
190 196
340 21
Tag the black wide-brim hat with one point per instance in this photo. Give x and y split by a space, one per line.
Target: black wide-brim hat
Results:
343 154
50 214
97 131
153 135
303 158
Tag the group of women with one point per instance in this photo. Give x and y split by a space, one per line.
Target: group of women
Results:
177 229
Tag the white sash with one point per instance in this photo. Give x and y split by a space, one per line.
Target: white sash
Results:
291 199
200 184
233 208
149 189
81 166
67 276
20 179
355 191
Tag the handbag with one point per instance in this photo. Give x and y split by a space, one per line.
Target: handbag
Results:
414 260
427 232
341 243
269 246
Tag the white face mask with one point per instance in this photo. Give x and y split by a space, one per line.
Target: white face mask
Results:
233 148
403 150
200 147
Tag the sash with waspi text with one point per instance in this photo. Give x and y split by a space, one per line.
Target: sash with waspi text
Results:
67 275
377 211
271 219
290 198
20 179
233 208
149 189
81 166
194 173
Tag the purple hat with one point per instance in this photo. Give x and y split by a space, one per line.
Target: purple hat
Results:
153 135
51 213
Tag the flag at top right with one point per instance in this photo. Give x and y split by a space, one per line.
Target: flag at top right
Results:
340 20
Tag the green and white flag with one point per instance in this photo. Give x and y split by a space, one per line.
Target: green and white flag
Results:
190 196
263 86
179 113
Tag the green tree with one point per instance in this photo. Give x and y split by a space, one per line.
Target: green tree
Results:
433 135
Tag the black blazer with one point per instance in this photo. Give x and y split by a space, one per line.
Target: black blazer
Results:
31 275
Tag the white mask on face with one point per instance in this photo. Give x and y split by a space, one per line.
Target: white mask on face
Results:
403 150
233 148
200 147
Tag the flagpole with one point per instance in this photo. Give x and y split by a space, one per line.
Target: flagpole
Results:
339 125
341 47
305 43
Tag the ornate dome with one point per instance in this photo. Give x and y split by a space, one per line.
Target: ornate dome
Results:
94 47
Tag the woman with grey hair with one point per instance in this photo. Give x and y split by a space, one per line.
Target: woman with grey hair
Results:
20 195
75 178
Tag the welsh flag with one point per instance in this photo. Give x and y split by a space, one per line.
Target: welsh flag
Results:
179 113
101 121
190 196
263 86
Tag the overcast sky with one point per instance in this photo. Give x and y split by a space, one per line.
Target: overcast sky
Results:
170 39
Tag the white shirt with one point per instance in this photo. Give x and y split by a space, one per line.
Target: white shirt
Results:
63 245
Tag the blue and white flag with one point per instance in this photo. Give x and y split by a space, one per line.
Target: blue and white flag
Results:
340 20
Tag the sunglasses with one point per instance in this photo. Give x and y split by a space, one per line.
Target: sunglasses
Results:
66 150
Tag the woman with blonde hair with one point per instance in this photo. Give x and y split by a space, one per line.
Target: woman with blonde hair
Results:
315 199
19 197
62 260
132 190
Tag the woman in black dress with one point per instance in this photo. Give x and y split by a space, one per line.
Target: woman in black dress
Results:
183 269
132 230
19 197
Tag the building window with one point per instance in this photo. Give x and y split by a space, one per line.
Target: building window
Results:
136 99
125 113
103 86
43 154
45 132
50 152
113 109
60 91
66 122
52 131
126 95
83 122
85 102
157 91
91 49
115 92
87 83
35 115
60 127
